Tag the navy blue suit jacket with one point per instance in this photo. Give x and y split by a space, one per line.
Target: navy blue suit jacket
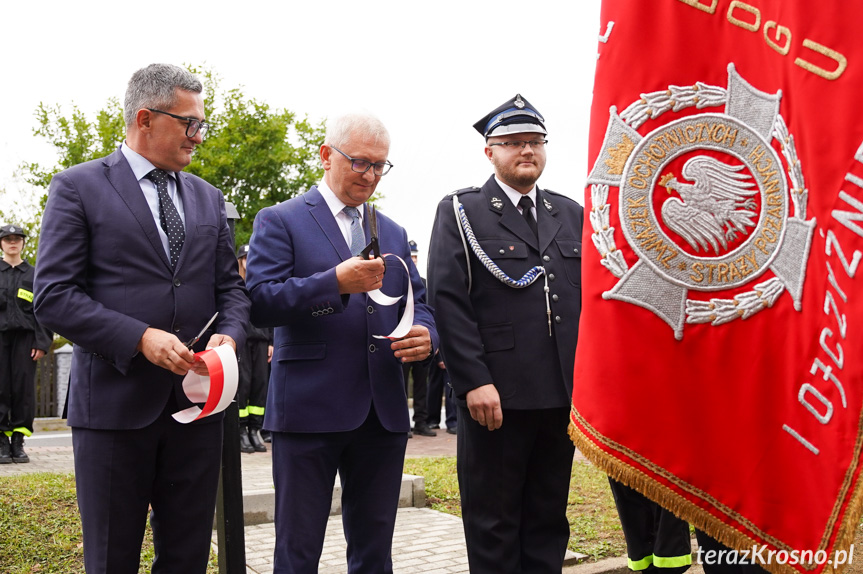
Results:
104 277
327 367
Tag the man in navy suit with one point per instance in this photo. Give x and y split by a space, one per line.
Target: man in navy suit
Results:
337 401
135 257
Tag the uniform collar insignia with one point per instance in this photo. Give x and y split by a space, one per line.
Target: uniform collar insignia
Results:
547 204
496 203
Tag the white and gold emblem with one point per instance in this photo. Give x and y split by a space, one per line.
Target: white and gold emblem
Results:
704 204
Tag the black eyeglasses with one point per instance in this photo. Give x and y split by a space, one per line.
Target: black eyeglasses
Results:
535 144
192 128
363 165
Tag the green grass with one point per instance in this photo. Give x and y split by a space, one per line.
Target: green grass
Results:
594 526
40 529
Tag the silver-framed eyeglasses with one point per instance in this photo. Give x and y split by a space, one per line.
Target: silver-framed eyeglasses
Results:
193 126
363 165
535 144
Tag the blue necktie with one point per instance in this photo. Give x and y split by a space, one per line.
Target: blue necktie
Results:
169 217
358 238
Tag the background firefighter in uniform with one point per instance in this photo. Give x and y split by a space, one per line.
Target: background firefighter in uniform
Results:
22 342
254 362
656 540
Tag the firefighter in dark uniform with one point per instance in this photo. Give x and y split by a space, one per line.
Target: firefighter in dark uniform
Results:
656 540
505 281
22 342
254 360
419 370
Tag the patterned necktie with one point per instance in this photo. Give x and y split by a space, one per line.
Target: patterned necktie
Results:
169 217
358 238
525 204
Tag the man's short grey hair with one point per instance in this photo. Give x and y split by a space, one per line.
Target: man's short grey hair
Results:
154 87
365 126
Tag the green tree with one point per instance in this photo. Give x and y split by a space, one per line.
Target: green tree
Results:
258 156
75 138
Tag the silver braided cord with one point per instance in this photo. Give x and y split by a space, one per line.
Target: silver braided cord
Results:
527 279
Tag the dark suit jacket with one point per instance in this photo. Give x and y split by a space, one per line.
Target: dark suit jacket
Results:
104 277
327 368
495 333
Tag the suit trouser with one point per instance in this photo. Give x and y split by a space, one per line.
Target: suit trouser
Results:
369 461
514 485
420 375
17 381
656 540
168 465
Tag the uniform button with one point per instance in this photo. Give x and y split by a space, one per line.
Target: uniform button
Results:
557 319
551 277
502 251
575 250
555 298
177 283
372 348
371 309
546 258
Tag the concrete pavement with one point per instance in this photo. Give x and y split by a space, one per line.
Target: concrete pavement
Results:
425 541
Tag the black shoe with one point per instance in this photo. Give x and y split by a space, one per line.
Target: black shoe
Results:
5 449
434 426
18 454
410 434
423 430
451 431
255 439
266 436
245 443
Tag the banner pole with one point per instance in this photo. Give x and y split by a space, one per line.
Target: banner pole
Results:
229 501
229 505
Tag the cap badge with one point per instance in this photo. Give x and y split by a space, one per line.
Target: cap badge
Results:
496 203
519 103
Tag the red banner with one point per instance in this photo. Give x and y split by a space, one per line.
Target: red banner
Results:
719 363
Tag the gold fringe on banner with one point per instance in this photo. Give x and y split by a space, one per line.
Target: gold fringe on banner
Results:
699 517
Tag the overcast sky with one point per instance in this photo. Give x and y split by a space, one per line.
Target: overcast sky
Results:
428 70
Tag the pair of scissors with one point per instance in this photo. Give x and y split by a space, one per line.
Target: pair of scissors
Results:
195 339
374 246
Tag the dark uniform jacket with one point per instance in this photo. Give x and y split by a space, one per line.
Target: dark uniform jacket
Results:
16 302
498 334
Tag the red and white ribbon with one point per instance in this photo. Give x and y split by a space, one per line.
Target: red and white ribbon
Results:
381 298
215 390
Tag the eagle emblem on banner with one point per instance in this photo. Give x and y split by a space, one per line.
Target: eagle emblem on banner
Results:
715 213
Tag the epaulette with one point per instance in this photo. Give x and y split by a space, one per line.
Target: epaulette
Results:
557 194
464 190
